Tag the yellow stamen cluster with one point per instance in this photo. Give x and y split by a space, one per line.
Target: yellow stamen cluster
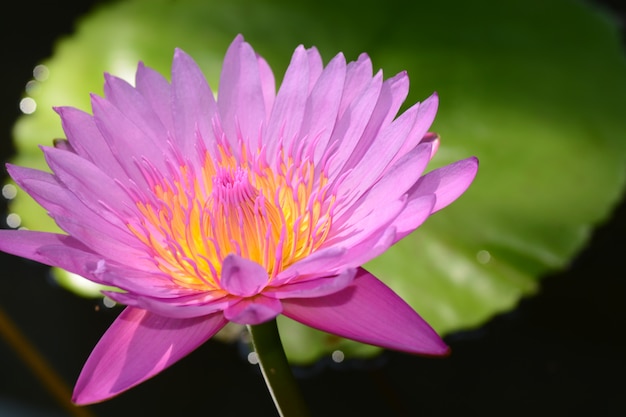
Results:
274 217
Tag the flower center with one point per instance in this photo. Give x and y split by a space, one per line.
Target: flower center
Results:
273 215
240 218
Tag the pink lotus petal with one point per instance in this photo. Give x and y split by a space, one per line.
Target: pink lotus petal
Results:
42 186
367 247
87 182
414 214
337 259
392 95
62 203
133 144
368 219
288 109
447 182
92 187
27 244
137 346
76 258
380 155
64 145
267 83
241 100
193 105
156 90
370 312
106 244
352 124
323 105
251 311
426 112
358 78
405 172
242 277
144 278
316 66
312 264
397 181
131 113
433 139
313 287
184 306
88 142
389 191
364 245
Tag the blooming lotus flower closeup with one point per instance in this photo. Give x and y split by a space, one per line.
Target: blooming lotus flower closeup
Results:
258 203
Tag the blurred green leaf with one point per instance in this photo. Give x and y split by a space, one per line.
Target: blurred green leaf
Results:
535 89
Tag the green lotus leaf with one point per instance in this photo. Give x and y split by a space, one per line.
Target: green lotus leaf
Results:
535 89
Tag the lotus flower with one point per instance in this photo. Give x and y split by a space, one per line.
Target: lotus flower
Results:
258 203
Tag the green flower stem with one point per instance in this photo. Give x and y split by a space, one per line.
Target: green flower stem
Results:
276 370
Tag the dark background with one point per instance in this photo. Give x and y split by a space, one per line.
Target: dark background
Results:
561 353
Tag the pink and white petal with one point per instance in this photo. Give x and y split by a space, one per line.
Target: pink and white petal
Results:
308 287
240 98
137 346
242 277
369 312
87 141
251 311
156 91
447 182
